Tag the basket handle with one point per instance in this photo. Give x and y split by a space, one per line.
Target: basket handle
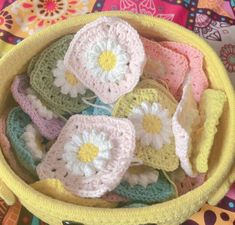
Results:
6 194
224 188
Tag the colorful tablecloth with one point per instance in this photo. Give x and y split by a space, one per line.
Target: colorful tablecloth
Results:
213 20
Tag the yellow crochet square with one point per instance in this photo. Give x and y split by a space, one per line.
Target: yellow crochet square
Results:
210 108
164 158
55 189
160 86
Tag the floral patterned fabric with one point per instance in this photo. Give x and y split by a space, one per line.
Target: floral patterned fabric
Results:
213 20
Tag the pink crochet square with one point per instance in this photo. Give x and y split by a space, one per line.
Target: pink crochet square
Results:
164 64
195 58
59 164
50 129
108 57
9 155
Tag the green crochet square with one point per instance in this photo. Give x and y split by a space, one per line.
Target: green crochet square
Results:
41 79
16 122
160 191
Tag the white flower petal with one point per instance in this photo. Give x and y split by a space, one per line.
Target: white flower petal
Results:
89 170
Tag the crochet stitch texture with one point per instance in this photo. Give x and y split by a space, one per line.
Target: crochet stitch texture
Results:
16 122
108 57
48 128
119 131
41 80
160 191
164 158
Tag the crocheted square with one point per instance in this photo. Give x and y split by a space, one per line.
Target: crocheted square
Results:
195 58
47 122
185 183
25 140
59 88
151 111
98 108
90 155
55 189
9 155
159 191
210 108
184 123
164 64
108 57
162 87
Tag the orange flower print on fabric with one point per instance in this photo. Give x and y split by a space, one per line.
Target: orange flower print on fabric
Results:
32 15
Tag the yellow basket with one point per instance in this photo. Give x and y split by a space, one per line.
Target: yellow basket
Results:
173 212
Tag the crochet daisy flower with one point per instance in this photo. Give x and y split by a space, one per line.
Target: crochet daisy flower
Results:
91 154
108 57
87 153
141 175
107 60
45 71
150 111
152 124
33 141
66 81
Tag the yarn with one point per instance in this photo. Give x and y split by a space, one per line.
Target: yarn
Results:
42 80
195 58
108 57
164 158
210 108
86 167
160 191
165 64
16 122
49 128
55 189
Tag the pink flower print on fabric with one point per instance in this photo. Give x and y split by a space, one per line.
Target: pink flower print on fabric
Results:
195 58
91 154
108 57
50 129
165 65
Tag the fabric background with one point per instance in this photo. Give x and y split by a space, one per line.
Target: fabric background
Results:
213 20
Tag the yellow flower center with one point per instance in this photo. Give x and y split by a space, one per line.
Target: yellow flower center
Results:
70 78
107 60
87 153
152 124
138 169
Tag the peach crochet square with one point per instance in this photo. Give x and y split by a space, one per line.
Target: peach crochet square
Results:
195 58
164 64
